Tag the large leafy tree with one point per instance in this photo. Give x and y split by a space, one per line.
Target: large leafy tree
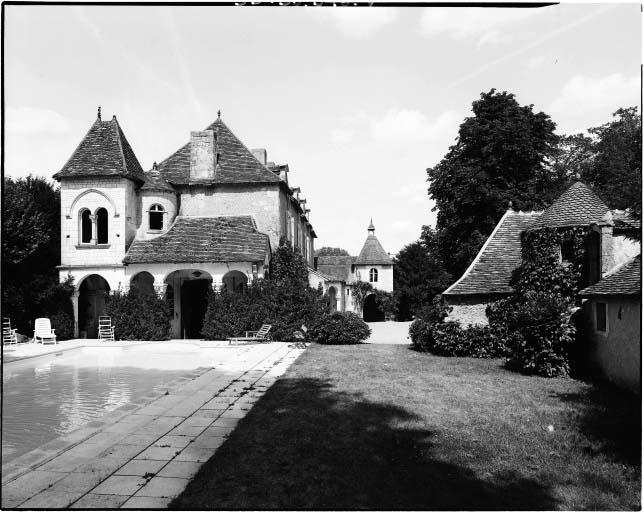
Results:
418 274
31 252
500 157
615 169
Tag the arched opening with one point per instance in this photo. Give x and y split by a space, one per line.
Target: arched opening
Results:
144 282
235 281
102 226
332 296
372 275
85 226
156 215
371 311
93 292
188 290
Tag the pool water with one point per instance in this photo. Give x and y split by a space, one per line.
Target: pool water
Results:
49 396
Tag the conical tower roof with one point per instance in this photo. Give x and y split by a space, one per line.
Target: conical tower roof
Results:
578 206
372 252
104 151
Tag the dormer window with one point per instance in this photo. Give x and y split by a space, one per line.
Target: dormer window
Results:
372 275
156 214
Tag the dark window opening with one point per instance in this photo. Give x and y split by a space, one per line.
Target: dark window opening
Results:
372 275
85 227
156 217
567 251
601 316
101 226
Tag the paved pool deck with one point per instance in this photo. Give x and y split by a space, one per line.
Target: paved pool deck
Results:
144 455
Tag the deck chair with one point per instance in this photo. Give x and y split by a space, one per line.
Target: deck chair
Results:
44 331
262 334
8 334
105 328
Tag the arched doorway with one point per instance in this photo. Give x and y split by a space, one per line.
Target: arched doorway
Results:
93 292
235 281
188 289
332 296
372 313
144 282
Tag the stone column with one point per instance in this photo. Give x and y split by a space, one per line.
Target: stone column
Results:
94 229
74 301
160 289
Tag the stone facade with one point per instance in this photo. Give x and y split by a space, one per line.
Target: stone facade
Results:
106 207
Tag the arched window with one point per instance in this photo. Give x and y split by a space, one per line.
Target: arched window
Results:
156 217
372 275
102 226
85 227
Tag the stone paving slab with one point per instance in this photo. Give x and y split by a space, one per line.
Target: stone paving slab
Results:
146 454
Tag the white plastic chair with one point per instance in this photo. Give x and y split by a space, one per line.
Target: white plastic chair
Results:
44 331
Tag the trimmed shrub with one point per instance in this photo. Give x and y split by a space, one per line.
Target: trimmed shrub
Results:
139 316
339 329
420 334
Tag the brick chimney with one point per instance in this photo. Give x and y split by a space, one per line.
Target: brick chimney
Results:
202 155
260 154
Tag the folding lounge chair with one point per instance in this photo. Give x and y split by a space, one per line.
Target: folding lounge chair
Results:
105 328
260 335
8 334
44 331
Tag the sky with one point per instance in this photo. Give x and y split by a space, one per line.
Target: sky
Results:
359 102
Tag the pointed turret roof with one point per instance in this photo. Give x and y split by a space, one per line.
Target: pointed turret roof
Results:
578 206
236 162
372 252
104 151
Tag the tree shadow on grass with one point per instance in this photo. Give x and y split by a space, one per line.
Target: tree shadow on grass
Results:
305 445
611 418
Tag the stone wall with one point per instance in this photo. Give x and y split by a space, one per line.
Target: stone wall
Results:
469 309
261 202
113 194
616 352
384 276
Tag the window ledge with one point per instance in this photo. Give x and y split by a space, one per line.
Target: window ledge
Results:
92 246
155 231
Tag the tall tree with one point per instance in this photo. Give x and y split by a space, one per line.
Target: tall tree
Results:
500 157
615 171
418 274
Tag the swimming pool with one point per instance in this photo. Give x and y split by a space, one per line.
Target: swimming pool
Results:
48 396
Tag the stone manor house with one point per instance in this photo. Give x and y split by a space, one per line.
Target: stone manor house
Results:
208 215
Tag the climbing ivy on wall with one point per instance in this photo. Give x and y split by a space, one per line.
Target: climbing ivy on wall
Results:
360 290
536 323
542 269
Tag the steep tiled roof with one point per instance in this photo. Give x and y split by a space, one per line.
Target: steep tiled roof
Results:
336 267
104 151
625 280
578 206
154 181
490 272
236 163
202 239
373 253
323 276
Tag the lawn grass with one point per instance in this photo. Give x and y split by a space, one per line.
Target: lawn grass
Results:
383 427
